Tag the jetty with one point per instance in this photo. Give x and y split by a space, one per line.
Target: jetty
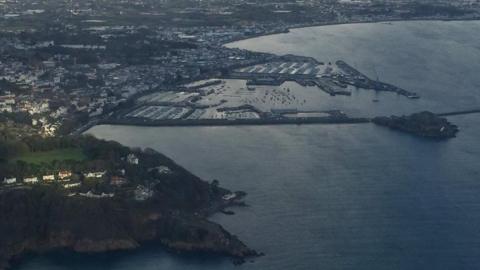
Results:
459 112
238 122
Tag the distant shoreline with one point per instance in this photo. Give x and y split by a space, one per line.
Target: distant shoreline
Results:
289 29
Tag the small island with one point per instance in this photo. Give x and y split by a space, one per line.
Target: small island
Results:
425 124
90 195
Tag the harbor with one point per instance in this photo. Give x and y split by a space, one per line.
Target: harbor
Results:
332 78
285 90
272 93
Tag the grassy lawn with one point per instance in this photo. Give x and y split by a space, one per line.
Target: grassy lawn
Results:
49 156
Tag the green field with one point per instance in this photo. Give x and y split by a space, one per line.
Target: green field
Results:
49 156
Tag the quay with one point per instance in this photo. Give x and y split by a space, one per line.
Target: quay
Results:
329 89
360 80
237 122
333 119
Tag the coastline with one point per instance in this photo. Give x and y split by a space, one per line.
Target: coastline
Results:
269 122
100 121
153 229
272 253
121 221
288 29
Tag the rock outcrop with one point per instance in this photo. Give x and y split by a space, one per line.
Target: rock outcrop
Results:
424 124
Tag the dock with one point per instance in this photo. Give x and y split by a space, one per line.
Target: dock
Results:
360 80
324 85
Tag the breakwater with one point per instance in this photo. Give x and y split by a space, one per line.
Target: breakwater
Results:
360 80
459 112
237 122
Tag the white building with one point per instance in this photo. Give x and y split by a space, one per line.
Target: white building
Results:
48 177
94 174
5 108
64 174
11 180
30 180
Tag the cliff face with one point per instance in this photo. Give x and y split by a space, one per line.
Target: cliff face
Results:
39 220
424 124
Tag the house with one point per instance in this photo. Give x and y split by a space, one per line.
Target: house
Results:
132 159
94 174
50 177
71 185
64 174
118 181
30 180
11 180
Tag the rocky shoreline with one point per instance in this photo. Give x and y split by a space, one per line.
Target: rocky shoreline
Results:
424 124
43 218
39 223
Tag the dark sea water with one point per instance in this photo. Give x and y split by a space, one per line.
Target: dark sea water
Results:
338 196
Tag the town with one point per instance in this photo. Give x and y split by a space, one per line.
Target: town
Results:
73 181
61 76
87 167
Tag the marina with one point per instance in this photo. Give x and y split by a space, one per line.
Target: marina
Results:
254 94
332 78
272 93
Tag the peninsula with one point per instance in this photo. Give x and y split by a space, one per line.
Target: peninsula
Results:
90 196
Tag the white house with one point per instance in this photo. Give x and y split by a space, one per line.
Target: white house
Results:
30 180
94 174
64 174
50 177
11 180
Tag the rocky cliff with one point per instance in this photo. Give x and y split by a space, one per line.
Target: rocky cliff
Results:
42 219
